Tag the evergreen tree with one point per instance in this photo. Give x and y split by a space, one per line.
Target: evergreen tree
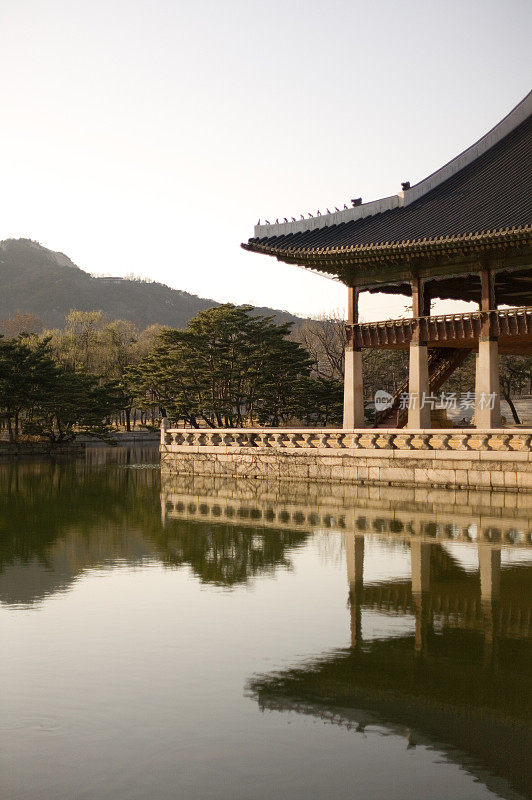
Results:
75 403
225 368
26 374
40 397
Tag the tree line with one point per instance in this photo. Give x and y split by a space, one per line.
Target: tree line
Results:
229 367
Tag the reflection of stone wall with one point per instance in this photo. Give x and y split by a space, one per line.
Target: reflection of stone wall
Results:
497 470
436 514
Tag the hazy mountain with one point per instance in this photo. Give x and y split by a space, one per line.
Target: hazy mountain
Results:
48 284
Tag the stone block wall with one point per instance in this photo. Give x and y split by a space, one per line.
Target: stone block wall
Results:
505 470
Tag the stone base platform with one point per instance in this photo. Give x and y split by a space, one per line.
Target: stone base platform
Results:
506 467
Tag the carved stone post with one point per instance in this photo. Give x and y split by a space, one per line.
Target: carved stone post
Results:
164 427
353 380
487 388
418 373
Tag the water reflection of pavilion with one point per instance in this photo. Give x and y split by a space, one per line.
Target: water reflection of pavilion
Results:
460 681
448 695
425 521
456 675
490 602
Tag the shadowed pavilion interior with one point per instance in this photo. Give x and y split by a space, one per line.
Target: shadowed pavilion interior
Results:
463 233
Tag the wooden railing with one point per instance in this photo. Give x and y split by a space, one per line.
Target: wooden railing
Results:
447 328
282 439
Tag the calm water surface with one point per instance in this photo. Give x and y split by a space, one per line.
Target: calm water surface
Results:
164 638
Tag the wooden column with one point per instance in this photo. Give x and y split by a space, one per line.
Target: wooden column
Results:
353 381
418 374
487 388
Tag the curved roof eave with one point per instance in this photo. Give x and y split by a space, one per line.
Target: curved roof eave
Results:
405 198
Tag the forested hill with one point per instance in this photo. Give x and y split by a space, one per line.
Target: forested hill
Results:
47 284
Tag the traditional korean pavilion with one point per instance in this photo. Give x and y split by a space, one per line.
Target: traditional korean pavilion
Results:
463 233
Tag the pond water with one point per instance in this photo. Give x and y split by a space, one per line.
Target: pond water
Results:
164 638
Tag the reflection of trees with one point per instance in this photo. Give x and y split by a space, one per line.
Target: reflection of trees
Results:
47 501
449 696
62 517
226 554
59 518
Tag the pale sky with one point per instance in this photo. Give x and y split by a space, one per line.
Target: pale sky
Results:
149 137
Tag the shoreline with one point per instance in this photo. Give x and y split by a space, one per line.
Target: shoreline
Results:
76 447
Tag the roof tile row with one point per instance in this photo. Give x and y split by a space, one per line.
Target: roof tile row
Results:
492 193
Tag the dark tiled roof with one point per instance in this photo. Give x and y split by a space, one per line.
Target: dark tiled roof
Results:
492 193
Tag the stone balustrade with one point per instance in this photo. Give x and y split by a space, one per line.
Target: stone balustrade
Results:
497 459
503 440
